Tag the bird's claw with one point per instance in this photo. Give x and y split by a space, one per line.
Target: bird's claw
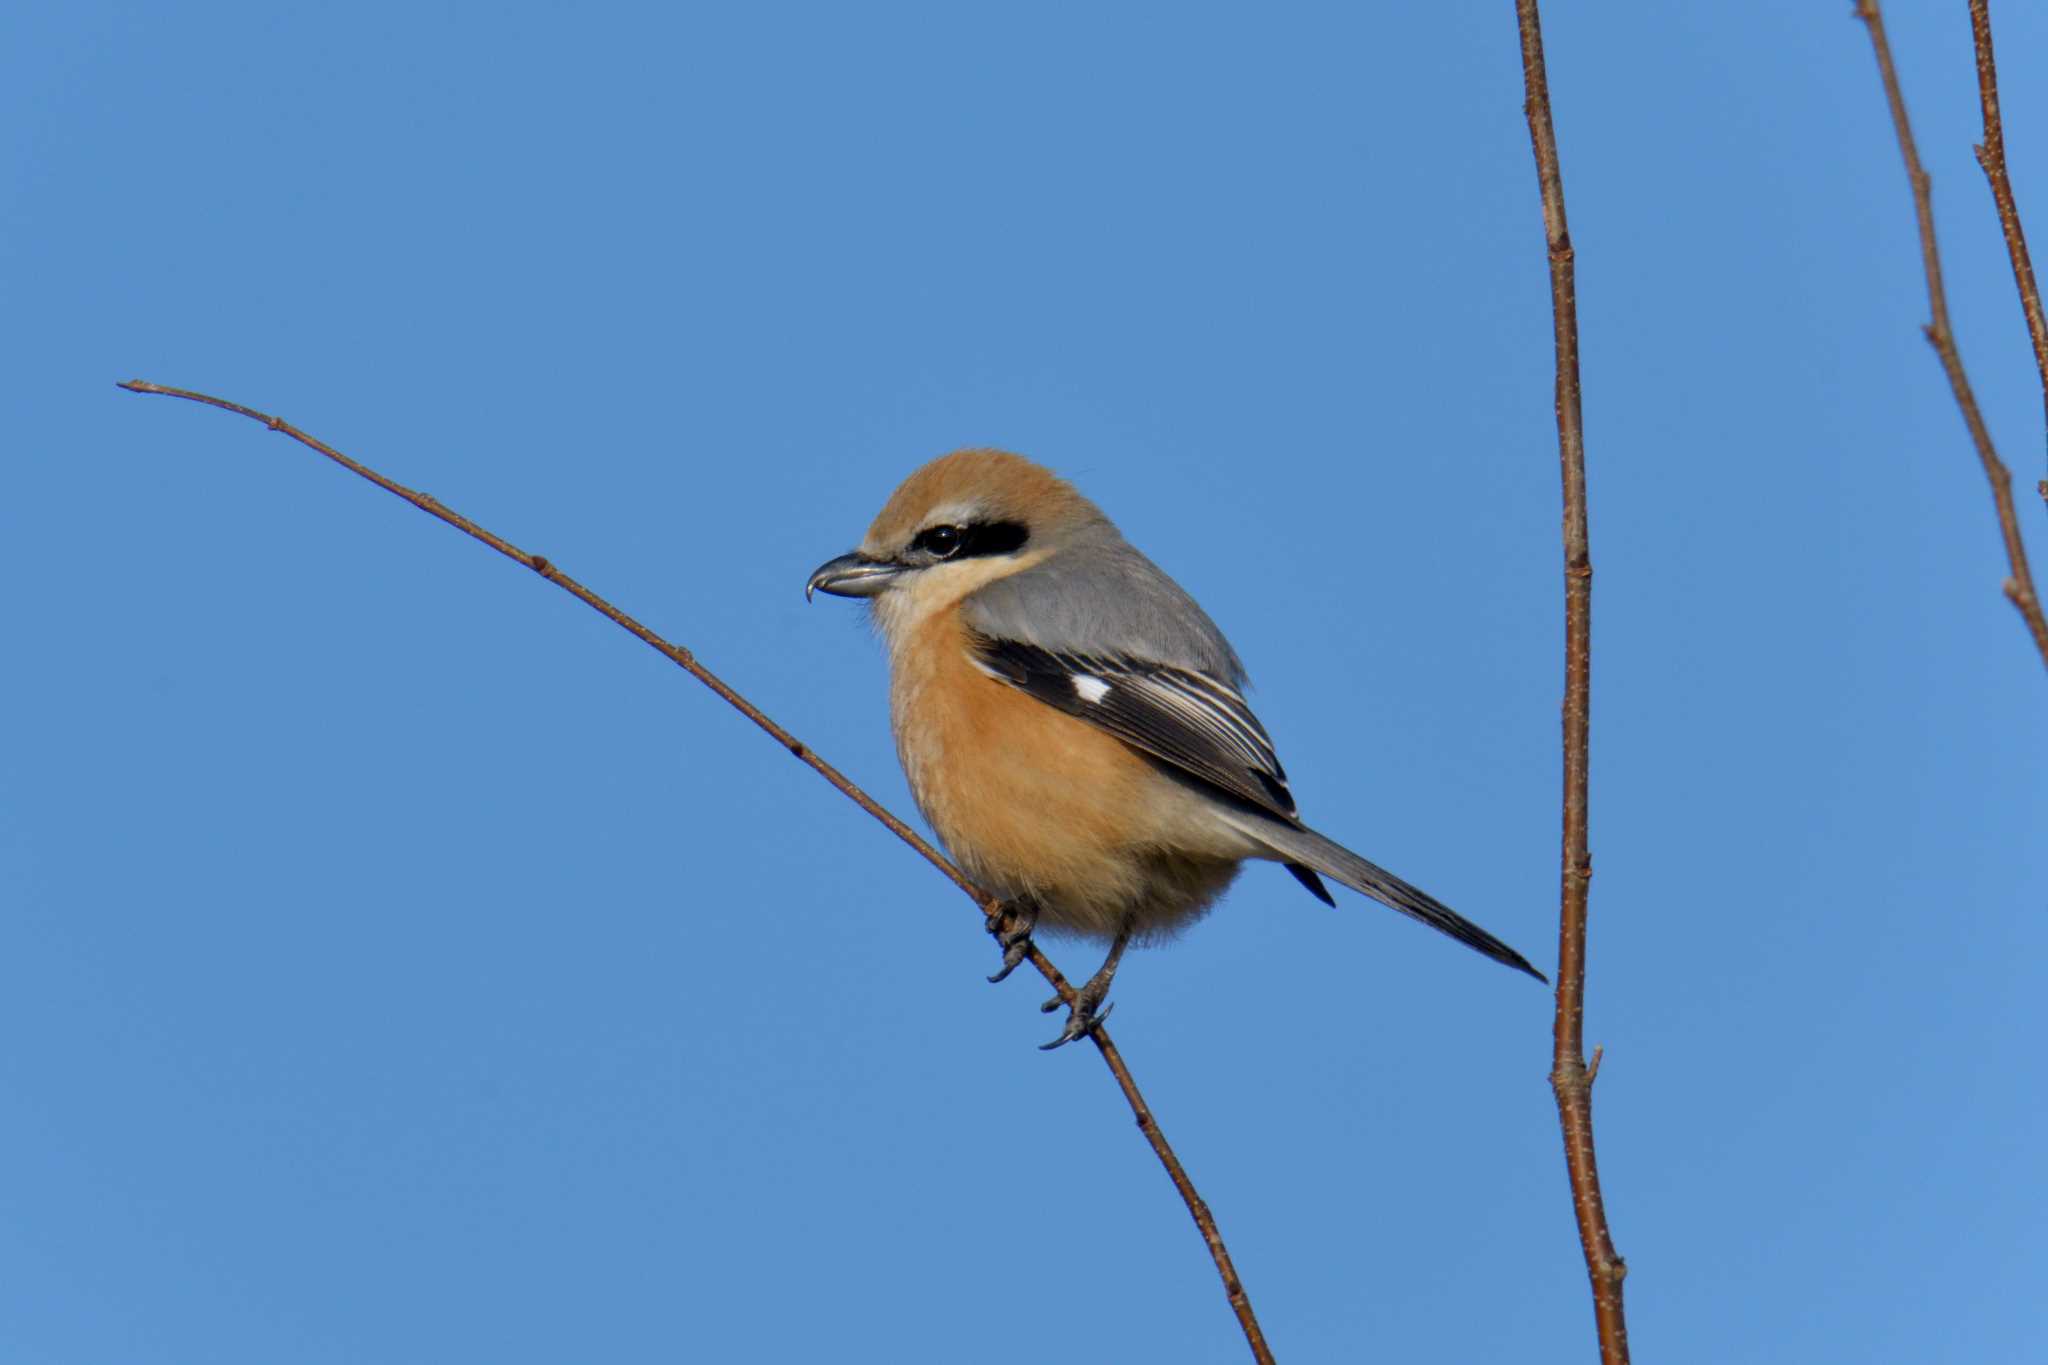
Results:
1015 941
1014 954
1083 1017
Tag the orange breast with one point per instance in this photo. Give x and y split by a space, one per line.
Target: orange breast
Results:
1030 800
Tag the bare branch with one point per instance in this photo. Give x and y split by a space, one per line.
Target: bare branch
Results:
994 911
1991 156
1571 1079
2019 584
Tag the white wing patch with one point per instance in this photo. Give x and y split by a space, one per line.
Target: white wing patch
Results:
1090 689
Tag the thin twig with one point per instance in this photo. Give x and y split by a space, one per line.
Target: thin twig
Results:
1571 1080
2019 585
992 909
1991 156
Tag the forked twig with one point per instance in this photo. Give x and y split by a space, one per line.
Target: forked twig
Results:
2019 583
1991 156
992 909
1571 1079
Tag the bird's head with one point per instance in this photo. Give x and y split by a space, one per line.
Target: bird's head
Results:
958 523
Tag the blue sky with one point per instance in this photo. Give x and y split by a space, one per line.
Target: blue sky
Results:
398 963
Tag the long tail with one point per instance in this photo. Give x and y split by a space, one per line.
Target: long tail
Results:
1300 848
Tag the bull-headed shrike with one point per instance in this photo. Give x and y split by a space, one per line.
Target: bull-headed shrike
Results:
1073 725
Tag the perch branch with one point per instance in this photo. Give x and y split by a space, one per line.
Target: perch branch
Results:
2019 583
991 908
1571 1079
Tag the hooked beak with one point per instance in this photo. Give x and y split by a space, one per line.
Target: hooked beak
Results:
851 576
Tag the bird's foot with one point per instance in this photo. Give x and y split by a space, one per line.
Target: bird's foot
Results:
1084 1015
1087 1011
1013 929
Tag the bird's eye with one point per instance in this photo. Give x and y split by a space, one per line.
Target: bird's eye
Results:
941 542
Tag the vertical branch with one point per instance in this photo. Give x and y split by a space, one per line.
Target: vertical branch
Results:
1571 1080
2019 583
1991 157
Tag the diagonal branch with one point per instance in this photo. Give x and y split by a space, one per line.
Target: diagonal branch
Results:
2019 583
1991 156
994 910
1571 1080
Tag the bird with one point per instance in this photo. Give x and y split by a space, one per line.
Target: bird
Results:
1074 726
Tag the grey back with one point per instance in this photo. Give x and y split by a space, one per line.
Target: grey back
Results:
1100 596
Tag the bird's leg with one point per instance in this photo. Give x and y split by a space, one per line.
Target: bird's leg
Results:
1013 929
1087 1010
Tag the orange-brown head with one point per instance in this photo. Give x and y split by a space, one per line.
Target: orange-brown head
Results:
955 525
972 488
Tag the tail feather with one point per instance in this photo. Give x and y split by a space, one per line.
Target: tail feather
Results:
1302 849
1309 879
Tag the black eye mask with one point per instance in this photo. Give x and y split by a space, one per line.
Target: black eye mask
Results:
973 540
